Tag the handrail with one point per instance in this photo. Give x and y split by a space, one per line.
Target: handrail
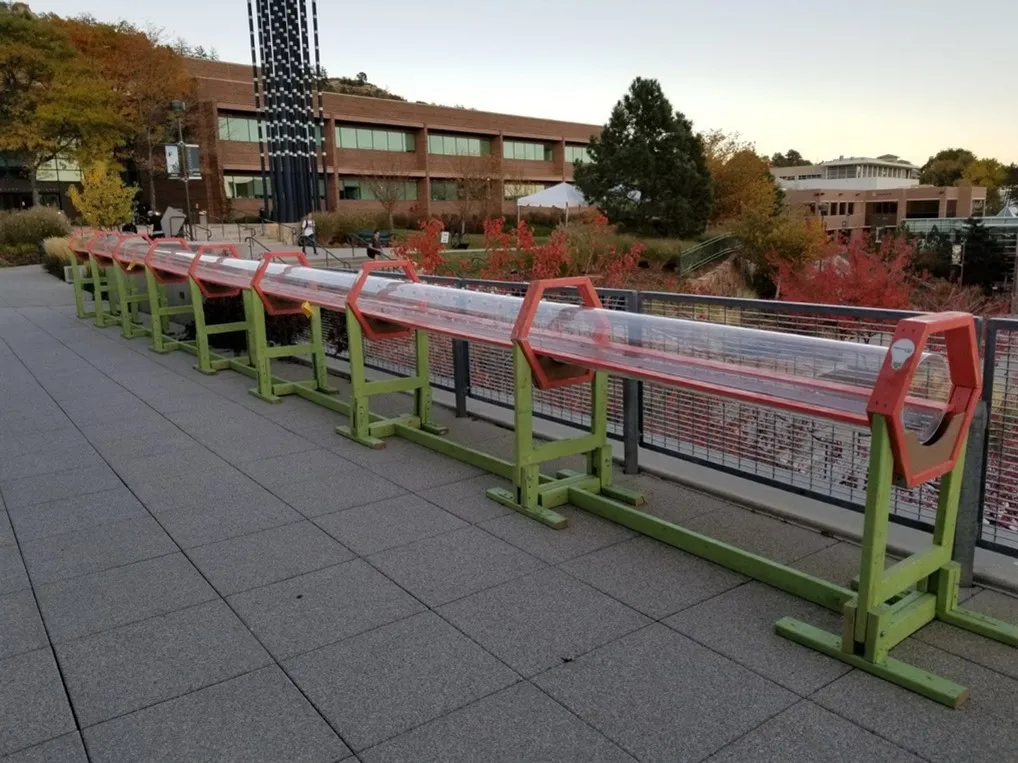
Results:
707 252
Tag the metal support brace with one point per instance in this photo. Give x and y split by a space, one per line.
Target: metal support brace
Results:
893 603
129 300
370 430
161 312
105 305
536 500
81 276
272 389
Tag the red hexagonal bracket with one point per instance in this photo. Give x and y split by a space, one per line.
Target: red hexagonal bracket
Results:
82 243
547 372
161 275
916 462
377 329
213 290
278 305
106 258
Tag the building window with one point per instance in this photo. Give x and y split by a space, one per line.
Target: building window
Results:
515 191
59 170
841 173
245 186
238 129
885 208
371 139
577 154
534 152
365 189
851 207
446 190
458 145
952 208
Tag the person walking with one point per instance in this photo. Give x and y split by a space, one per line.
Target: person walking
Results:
307 235
375 245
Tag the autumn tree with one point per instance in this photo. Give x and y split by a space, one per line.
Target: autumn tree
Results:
946 167
104 201
31 52
145 74
647 168
864 273
991 175
791 158
388 183
478 187
742 180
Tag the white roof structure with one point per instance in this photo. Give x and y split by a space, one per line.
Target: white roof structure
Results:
561 196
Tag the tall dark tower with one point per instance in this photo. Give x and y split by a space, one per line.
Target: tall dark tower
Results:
285 85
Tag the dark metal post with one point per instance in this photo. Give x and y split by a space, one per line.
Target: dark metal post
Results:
461 375
970 503
631 407
259 113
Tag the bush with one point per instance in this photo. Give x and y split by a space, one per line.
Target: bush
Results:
57 255
29 227
12 256
333 228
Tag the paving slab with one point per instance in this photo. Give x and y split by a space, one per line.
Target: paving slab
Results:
338 491
982 729
670 501
584 534
740 625
105 600
768 536
806 733
542 620
65 749
128 668
81 552
313 610
33 705
468 499
79 514
297 467
651 577
248 511
70 483
520 723
256 717
21 627
448 567
388 524
6 533
661 696
49 462
407 465
12 570
181 462
255 560
384 682
215 485
28 443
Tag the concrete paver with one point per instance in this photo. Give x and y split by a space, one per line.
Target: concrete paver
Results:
220 578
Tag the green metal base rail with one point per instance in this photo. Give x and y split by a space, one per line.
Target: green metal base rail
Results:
890 604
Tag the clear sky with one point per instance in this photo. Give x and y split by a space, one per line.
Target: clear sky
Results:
858 78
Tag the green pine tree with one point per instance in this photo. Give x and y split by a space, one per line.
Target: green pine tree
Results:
648 170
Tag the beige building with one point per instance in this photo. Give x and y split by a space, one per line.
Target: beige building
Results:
859 193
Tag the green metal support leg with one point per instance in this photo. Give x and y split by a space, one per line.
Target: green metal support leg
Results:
101 294
129 300
80 280
161 312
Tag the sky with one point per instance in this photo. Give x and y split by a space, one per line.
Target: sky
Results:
829 79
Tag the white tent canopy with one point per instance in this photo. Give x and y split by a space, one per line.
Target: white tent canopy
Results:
561 196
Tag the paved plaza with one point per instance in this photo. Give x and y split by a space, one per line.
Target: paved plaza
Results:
188 573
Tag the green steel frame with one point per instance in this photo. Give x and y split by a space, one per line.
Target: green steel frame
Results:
129 300
889 604
102 294
81 276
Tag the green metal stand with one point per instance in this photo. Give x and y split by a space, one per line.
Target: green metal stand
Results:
102 294
80 280
272 389
892 604
129 300
208 363
536 500
161 312
370 430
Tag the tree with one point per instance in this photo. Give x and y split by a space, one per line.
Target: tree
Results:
648 169
946 167
742 180
986 261
991 175
863 274
145 74
388 184
104 201
1010 189
31 52
790 159
478 181
183 48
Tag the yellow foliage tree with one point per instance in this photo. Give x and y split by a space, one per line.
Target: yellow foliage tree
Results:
991 175
743 184
104 201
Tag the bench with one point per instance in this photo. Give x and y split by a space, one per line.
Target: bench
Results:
364 236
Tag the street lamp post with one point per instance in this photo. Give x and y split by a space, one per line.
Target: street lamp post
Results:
179 107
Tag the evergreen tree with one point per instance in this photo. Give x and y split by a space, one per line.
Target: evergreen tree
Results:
648 170
986 261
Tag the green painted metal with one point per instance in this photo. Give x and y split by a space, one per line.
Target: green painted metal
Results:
161 312
81 276
102 295
129 301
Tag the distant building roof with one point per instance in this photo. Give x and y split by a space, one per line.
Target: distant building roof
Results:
887 160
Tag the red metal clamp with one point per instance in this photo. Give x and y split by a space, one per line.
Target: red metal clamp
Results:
916 462
213 290
162 276
377 329
548 373
277 305
82 243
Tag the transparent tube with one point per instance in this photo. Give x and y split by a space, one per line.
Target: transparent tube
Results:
805 374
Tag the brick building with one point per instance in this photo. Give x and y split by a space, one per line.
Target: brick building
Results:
432 147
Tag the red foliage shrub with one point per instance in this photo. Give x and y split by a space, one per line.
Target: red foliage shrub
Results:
423 248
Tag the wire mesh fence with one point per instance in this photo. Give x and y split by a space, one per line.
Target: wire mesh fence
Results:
1000 493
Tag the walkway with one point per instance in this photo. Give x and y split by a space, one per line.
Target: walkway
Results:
187 573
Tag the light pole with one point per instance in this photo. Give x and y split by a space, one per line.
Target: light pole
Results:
179 107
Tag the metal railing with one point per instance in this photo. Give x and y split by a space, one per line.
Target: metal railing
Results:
709 251
811 457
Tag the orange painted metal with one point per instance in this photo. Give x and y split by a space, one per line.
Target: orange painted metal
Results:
373 328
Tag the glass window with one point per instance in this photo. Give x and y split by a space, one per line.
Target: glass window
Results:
458 145
445 190
449 145
851 207
365 141
515 191
435 144
518 149
347 137
577 154
244 187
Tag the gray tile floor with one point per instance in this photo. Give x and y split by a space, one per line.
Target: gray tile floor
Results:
187 573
